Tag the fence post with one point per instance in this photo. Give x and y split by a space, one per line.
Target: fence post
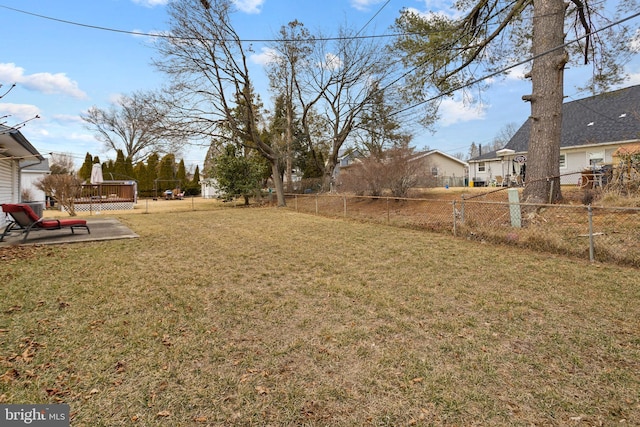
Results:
455 234
316 203
591 242
295 197
514 208
344 198
388 213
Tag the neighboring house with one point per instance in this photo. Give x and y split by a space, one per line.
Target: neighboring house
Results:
433 168
441 169
209 188
345 159
30 174
14 149
593 129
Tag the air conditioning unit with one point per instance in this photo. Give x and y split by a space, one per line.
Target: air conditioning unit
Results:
37 207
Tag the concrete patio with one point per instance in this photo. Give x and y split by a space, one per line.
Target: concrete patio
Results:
101 229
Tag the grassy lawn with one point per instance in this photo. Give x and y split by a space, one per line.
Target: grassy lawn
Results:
262 316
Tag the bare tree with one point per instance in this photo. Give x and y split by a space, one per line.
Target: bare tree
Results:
292 47
207 63
62 184
394 170
133 124
334 84
504 136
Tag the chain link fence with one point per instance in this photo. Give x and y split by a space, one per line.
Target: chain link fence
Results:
604 234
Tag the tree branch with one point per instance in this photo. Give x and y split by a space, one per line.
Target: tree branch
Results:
582 16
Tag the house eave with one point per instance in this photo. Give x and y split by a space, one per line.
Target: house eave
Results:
15 145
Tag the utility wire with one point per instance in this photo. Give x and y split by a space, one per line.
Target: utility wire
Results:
373 17
505 69
169 36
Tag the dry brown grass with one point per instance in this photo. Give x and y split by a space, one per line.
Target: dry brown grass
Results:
234 316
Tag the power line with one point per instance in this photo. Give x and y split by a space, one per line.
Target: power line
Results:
373 17
517 64
169 36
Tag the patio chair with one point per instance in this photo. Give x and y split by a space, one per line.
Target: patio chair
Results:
25 219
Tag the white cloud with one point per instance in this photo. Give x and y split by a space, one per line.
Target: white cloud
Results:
454 111
151 3
85 137
517 73
265 57
364 5
67 119
331 62
249 6
436 8
17 112
47 83
634 79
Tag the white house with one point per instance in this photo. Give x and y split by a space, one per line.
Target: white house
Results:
16 153
30 174
209 188
443 169
593 129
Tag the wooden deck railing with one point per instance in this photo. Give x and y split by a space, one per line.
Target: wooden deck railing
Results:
109 193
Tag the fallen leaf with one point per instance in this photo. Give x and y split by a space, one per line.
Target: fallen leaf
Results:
166 340
94 391
417 380
200 419
164 414
262 390
9 376
27 354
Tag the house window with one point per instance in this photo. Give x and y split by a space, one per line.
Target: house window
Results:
481 167
434 171
563 161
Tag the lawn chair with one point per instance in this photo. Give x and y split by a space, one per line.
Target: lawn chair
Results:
25 219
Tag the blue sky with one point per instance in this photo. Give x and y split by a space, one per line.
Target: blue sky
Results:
61 69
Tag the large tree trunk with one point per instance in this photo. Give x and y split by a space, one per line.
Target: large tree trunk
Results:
277 181
543 158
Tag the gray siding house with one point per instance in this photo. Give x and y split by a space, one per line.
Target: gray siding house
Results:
593 129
